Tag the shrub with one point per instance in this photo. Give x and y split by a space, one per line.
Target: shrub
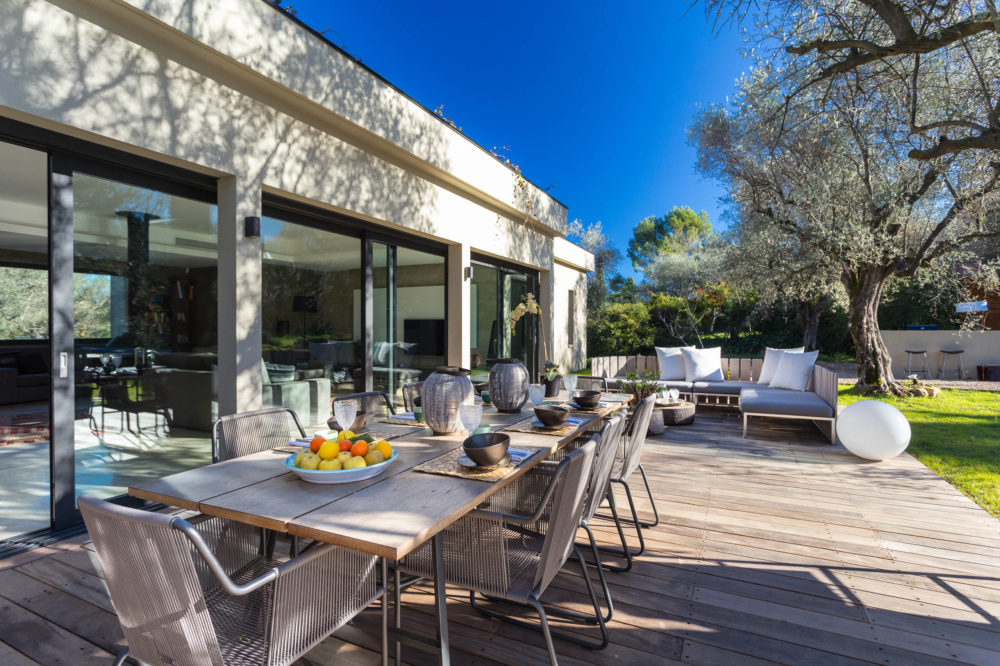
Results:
619 329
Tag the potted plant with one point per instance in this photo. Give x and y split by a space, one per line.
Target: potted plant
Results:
640 385
552 378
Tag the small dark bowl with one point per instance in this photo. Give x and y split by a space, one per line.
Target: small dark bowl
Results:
359 422
551 416
487 448
482 386
587 399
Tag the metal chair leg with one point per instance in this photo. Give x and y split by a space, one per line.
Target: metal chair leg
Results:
398 610
546 631
625 551
635 520
600 572
122 656
652 500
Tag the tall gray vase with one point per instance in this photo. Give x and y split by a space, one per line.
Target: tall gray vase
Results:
443 393
509 381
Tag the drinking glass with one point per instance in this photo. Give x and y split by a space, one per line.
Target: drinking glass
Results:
536 393
470 415
569 381
345 411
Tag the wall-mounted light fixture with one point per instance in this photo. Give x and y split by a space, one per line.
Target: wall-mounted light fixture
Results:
468 272
251 227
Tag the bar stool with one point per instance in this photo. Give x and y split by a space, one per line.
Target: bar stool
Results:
909 362
945 353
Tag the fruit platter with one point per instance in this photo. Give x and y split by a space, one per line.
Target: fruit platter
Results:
341 459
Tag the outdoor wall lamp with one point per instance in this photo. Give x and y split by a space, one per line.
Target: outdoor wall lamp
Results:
251 227
468 272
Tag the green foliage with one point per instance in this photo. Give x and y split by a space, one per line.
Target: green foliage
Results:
606 256
956 434
619 328
623 290
680 230
640 385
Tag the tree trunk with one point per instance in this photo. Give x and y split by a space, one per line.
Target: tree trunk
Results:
809 314
864 291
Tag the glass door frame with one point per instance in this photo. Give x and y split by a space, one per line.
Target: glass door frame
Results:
317 218
506 270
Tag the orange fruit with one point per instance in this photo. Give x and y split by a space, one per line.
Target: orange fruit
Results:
359 449
345 444
316 442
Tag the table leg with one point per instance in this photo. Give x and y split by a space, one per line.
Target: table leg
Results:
385 612
441 598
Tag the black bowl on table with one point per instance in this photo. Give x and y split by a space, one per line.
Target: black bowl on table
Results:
587 399
551 416
359 422
480 387
487 448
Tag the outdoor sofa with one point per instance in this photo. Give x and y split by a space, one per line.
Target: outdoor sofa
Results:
739 387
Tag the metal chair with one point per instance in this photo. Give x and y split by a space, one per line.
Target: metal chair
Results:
959 354
590 383
205 595
411 395
374 403
116 397
626 462
514 557
241 434
524 494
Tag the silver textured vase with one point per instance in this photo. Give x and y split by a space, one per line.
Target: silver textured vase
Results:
509 385
447 388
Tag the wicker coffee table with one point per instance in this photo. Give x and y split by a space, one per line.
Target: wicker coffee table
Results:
678 413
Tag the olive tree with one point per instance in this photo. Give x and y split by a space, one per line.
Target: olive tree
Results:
896 41
832 170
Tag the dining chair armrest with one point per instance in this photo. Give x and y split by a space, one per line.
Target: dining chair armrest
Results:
198 541
538 513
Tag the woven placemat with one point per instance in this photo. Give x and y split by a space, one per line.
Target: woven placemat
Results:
407 422
393 434
602 409
447 465
527 426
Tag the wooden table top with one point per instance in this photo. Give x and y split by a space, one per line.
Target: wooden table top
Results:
388 515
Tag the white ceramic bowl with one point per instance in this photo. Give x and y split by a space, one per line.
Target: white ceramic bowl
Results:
339 475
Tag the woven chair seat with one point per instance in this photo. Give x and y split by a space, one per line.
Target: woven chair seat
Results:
241 623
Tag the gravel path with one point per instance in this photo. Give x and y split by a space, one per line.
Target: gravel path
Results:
848 374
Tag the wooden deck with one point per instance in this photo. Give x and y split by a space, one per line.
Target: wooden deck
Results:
777 548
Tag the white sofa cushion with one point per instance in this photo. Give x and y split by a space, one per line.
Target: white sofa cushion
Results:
794 371
703 365
671 363
772 357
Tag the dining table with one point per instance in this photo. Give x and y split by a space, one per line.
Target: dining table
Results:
388 515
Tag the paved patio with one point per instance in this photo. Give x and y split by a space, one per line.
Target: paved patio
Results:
776 548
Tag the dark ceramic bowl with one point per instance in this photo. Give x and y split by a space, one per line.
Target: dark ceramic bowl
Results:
551 416
587 399
487 448
482 386
359 422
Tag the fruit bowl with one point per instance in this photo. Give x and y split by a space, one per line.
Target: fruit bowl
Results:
339 475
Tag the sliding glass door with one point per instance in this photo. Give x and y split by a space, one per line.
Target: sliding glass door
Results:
345 310
496 290
25 358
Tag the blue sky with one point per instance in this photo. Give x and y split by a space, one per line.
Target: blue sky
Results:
593 98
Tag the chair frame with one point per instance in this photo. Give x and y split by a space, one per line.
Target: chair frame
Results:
257 413
365 395
406 389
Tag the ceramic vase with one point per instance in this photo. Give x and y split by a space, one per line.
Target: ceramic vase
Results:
509 381
443 392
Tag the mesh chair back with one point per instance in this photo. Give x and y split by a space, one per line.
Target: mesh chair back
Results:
589 383
607 448
635 437
251 432
411 392
375 403
565 512
153 584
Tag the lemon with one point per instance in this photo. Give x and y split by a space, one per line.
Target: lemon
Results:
309 461
355 462
374 457
298 458
345 434
343 457
328 449
383 447
332 463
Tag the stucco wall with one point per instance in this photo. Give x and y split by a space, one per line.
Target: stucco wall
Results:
570 353
981 348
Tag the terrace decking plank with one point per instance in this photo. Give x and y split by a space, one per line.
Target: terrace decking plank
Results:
767 552
11 657
44 641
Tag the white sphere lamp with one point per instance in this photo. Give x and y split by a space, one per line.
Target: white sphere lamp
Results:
873 430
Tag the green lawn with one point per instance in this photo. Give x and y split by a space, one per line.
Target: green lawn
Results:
957 435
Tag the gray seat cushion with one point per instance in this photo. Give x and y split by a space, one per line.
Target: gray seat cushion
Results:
678 384
722 388
761 400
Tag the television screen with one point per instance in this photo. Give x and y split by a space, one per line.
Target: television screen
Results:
428 334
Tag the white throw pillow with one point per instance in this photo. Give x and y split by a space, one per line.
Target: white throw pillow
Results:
794 371
671 362
703 365
772 357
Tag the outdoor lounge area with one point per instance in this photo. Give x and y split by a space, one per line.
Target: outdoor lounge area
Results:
776 547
